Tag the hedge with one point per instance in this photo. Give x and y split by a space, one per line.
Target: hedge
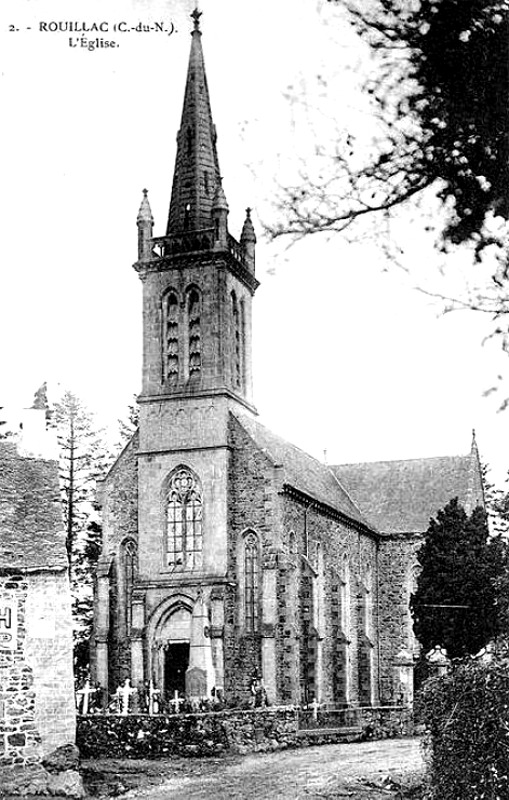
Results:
466 714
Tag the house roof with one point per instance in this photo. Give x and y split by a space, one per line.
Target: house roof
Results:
31 525
302 471
402 496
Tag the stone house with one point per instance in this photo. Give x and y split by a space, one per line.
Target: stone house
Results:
37 711
229 553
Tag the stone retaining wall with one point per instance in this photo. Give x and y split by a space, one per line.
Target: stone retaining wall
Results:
209 734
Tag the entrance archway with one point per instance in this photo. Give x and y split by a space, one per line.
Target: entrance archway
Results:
170 649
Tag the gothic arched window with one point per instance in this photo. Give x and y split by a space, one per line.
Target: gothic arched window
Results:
251 582
368 603
184 520
345 598
129 555
170 337
194 331
236 344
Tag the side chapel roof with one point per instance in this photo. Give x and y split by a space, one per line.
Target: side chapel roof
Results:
31 525
302 471
402 496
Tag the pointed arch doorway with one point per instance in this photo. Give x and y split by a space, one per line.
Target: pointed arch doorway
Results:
170 651
176 662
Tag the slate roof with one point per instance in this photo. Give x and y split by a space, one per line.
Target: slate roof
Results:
302 471
402 496
31 525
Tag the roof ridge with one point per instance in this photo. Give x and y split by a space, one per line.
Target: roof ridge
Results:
397 461
354 502
302 471
287 441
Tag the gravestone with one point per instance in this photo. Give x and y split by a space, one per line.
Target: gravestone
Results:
196 683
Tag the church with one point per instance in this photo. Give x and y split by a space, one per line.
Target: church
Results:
228 553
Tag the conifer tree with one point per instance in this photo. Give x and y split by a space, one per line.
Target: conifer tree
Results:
83 461
455 602
128 425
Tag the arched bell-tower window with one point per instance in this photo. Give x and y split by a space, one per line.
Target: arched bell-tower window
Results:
251 582
194 330
170 338
236 343
184 508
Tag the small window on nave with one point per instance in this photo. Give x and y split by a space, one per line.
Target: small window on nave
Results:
345 597
194 331
184 520
251 582
368 602
129 559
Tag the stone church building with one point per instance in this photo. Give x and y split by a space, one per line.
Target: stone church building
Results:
227 551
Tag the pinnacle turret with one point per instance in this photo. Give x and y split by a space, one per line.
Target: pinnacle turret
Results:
196 176
248 240
145 212
220 202
145 222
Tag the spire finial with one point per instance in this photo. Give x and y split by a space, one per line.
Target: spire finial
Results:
474 441
196 18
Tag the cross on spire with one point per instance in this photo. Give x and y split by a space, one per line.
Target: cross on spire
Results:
196 18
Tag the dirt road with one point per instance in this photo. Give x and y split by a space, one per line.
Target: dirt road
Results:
351 770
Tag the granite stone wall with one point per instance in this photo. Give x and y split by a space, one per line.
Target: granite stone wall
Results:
119 498
397 571
306 529
252 505
20 741
37 713
49 653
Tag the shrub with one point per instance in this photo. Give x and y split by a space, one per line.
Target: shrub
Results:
466 714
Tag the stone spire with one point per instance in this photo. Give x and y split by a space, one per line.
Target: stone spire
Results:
474 451
196 175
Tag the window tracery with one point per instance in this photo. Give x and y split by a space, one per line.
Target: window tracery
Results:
184 520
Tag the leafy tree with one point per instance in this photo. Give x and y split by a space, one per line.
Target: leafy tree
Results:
83 461
455 602
440 88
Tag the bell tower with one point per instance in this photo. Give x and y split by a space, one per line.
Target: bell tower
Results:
198 280
198 284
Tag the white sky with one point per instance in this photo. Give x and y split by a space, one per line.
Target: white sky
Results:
348 358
